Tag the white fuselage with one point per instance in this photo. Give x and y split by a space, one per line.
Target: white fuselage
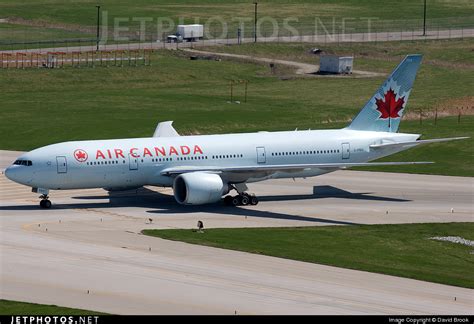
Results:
127 163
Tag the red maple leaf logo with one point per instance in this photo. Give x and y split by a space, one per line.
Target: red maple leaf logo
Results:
80 155
388 106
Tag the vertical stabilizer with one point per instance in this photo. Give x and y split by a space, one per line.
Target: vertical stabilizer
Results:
383 112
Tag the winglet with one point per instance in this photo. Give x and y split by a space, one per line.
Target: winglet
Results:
165 129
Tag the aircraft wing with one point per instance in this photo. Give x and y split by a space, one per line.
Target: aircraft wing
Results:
413 143
279 168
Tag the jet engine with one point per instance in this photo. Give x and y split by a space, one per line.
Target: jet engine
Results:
197 188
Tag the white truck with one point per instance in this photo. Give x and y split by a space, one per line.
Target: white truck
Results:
188 33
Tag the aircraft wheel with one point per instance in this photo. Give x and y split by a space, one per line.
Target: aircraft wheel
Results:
45 203
228 200
244 200
253 200
235 201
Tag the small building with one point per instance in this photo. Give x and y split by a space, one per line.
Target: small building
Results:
336 64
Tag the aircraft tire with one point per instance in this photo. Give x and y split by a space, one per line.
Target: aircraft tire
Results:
228 200
45 203
253 200
235 201
244 200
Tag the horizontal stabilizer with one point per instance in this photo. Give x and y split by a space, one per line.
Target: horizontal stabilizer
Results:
281 168
165 129
414 143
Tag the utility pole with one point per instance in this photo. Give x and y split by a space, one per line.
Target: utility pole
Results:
255 22
98 26
424 19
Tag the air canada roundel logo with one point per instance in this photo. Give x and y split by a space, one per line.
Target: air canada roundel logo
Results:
80 155
390 106
392 102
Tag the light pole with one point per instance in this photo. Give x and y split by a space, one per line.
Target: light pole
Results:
255 22
98 24
424 18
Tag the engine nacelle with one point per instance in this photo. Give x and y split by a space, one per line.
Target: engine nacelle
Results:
198 188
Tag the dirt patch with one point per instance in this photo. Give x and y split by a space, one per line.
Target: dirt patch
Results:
439 63
449 107
457 65
301 69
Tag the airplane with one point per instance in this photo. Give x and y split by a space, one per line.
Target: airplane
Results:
202 169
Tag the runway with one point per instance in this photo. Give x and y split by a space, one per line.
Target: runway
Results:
86 252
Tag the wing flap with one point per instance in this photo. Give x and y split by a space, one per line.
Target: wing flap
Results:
281 168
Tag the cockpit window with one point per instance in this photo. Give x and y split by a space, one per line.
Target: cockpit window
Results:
23 162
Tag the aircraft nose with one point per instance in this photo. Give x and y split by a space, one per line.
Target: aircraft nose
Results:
9 173
14 173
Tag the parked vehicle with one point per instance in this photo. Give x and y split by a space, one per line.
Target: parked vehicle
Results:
187 33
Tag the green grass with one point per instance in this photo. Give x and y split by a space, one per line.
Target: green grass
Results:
9 307
399 250
446 52
452 158
389 15
41 107
82 11
10 33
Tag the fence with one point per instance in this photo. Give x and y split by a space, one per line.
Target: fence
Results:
318 31
58 59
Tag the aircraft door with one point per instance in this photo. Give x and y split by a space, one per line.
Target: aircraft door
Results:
61 163
261 157
132 162
346 151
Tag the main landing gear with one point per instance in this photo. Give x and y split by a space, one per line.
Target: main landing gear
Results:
45 202
242 199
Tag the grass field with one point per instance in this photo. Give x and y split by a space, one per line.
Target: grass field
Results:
389 15
454 52
82 11
400 250
41 107
9 307
19 33
453 158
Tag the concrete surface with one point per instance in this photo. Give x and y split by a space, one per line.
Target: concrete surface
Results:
90 241
318 39
301 68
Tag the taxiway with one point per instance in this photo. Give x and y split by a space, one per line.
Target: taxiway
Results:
87 251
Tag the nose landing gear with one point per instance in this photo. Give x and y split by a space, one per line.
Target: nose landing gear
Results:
45 202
